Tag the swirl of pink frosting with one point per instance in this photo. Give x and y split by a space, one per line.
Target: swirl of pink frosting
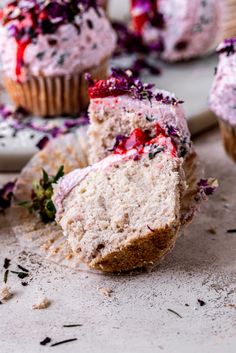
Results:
223 92
64 52
191 27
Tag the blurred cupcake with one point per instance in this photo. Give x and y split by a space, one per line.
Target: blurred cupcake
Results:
103 3
47 46
184 29
223 95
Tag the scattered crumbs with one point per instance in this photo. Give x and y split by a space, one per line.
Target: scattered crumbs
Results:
5 294
62 342
223 198
211 231
45 341
42 304
201 302
5 278
73 325
7 263
174 312
107 292
231 230
226 205
232 306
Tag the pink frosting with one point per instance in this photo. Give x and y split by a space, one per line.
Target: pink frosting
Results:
191 25
223 92
70 52
164 114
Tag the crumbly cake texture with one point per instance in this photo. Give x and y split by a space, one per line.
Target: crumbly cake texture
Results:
122 103
123 212
180 29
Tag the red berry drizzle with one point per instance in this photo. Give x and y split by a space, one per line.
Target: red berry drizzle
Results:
143 11
138 139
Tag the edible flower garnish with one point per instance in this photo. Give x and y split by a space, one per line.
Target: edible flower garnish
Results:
41 197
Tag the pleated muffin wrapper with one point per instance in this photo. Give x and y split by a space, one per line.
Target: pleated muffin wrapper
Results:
71 150
47 240
52 96
228 134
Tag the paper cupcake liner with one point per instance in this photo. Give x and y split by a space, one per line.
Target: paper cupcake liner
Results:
48 240
103 4
228 133
227 25
229 20
50 96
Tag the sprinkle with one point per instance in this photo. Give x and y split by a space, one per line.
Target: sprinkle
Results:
65 341
6 276
21 275
22 268
43 142
73 325
7 263
174 312
231 230
201 302
152 230
6 194
24 284
45 341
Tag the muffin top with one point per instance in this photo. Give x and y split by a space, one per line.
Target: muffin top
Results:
136 104
185 28
53 38
223 92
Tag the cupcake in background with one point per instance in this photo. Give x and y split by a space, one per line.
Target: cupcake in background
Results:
103 3
46 48
183 29
223 95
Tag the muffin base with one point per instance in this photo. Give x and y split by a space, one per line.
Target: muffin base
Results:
51 96
229 22
228 133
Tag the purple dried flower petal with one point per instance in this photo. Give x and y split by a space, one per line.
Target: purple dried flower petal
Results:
172 131
43 142
228 47
208 186
6 194
89 79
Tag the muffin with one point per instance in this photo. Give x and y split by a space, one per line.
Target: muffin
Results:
223 95
114 213
122 103
46 47
183 29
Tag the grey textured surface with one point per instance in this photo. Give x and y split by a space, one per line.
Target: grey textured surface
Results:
135 318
